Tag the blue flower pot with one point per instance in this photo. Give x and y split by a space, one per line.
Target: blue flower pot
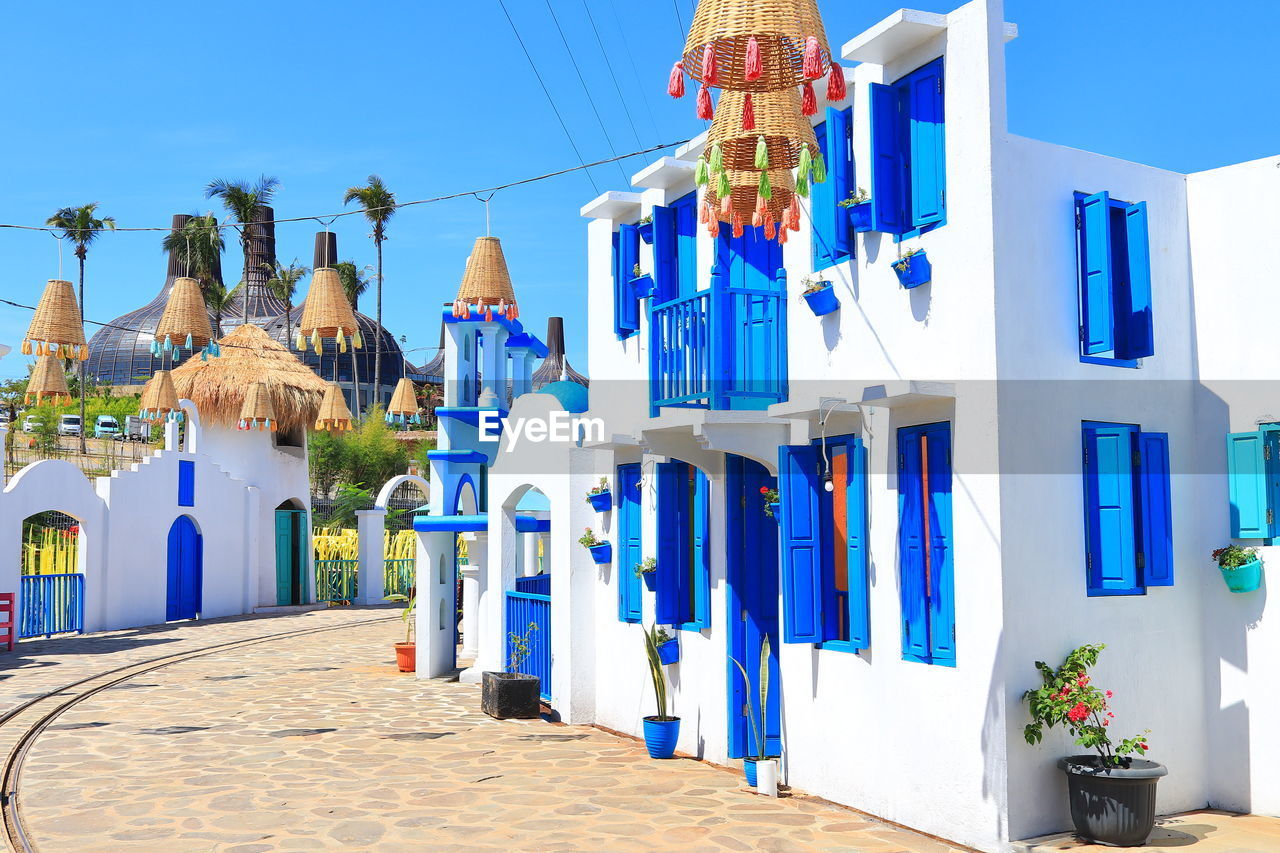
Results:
776 509
660 736
601 501
641 286
822 301
650 581
749 767
1246 578
646 233
601 553
669 652
913 271
860 217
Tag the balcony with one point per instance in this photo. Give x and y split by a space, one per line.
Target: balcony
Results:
721 348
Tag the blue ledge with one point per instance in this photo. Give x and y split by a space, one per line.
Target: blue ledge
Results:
515 327
529 524
470 414
524 340
459 456
451 523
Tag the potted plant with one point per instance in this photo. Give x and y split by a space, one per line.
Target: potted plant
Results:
1113 792
406 652
668 647
662 730
761 769
512 694
647 571
859 207
772 504
913 269
600 498
819 295
601 552
646 229
641 283
1241 567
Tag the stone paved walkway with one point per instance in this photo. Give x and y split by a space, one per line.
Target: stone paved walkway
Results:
317 743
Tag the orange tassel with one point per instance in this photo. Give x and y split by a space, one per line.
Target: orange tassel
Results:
756 219
737 225
713 227
836 90
709 76
793 211
808 101
748 113
782 236
675 86
704 213
812 58
705 110
726 204
770 230
753 68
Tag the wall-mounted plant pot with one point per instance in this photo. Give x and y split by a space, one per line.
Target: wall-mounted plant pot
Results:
514 695
860 217
660 736
776 510
650 581
822 301
1246 578
641 286
913 270
669 652
1112 805
601 501
646 233
601 553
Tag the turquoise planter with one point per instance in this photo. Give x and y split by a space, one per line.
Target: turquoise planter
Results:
660 736
913 271
601 553
601 501
1246 578
860 217
822 301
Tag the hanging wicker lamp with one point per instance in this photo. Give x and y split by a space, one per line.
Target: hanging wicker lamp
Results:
486 284
258 412
47 382
334 414
327 313
160 398
185 322
56 327
744 205
403 407
778 138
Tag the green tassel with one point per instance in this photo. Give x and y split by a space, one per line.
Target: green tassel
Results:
819 170
802 186
724 189
766 189
717 158
762 153
805 164
700 173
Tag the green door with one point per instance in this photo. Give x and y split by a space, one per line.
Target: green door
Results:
291 556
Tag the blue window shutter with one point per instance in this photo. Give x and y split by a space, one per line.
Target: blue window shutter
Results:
822 208
1094 224
1157 522
923 93
1247 484
186 482
630 597
701 568
686 209
801 544
1135 335
672 484
856 503
840 177
626 308
887 214
914 595
666 268
942 594
1111 560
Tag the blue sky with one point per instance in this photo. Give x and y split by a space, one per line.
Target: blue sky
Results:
139 106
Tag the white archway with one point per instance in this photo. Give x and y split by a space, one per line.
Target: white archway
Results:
389 488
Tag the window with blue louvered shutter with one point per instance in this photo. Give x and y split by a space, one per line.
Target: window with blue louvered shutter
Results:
1135 337
700 570
839 158
1157 521
856 502
1094 223
926 131
630 553
941 579
1247 485
801 543
887 164
1111 559
666 265
911 548
671 519
626 308
926 574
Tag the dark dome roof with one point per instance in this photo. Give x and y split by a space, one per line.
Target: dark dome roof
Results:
393 363
555 367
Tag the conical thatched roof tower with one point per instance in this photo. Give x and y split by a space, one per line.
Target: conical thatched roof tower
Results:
555 367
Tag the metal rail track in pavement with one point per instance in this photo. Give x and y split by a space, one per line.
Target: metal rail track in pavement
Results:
70 695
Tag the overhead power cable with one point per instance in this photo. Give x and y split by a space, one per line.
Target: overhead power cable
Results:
635 73
622 102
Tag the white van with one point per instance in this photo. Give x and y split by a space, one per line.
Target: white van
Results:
69 425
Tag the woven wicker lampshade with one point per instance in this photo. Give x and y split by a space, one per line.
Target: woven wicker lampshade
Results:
258 412
327 314
160 398
334 414
47 382
185 321
56 328
781 30
486 284
403 407
777 121
777 214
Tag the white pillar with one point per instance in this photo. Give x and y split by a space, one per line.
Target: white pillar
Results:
170 435
493 367
370 527
530 553
435 614
477 551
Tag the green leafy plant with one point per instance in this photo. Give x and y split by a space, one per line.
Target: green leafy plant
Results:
860 197
600 488
1234 556
813 284
636 272
770 497
757 730
407 614
588 539
645 220
1068 697
647 566
518 647
653 638
903 264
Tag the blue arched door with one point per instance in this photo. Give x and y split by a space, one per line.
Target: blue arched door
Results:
186 570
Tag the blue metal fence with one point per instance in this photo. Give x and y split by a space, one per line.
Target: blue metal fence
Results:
537 584
525 609
680 351
51 604
398 576
336 580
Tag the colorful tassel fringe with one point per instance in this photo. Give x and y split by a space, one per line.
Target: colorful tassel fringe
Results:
753 68
808 100
723 188
700 173
717 158
819 169
675 86
709 75
766 189
748 113
836 89
705 111
812 58
762 153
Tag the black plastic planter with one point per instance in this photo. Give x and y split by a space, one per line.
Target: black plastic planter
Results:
506 695
1112 805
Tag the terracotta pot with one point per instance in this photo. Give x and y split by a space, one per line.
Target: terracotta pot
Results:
407 656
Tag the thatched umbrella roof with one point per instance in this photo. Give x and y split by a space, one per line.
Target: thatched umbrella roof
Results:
218 386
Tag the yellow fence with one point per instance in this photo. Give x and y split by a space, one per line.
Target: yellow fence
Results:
333 543
49 551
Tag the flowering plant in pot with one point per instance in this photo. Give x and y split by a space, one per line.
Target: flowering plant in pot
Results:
1241 567
406 652
859 207
512 693
819 296
647 571
601 552
641 283
771 501
668 647
1112 792
913 268
600 498
761 769
661 730
646 229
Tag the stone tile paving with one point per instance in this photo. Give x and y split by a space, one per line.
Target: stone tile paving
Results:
317 743
1201 831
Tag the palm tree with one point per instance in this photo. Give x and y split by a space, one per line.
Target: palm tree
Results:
355 281
379 205
284 283
242 200
218 299
198 247
81 227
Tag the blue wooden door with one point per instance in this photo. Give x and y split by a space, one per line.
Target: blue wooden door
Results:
752 305
186 570
630 598
752 561
927 583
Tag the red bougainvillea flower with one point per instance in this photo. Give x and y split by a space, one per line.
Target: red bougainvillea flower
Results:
1142 746
764 490
1109 694
1078 713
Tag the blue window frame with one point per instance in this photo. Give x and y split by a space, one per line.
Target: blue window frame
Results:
1114 275
1253 479
684 569
630 601
1128 527
824 544
832 234
675 249
626 254
186 482
926 561
908 153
